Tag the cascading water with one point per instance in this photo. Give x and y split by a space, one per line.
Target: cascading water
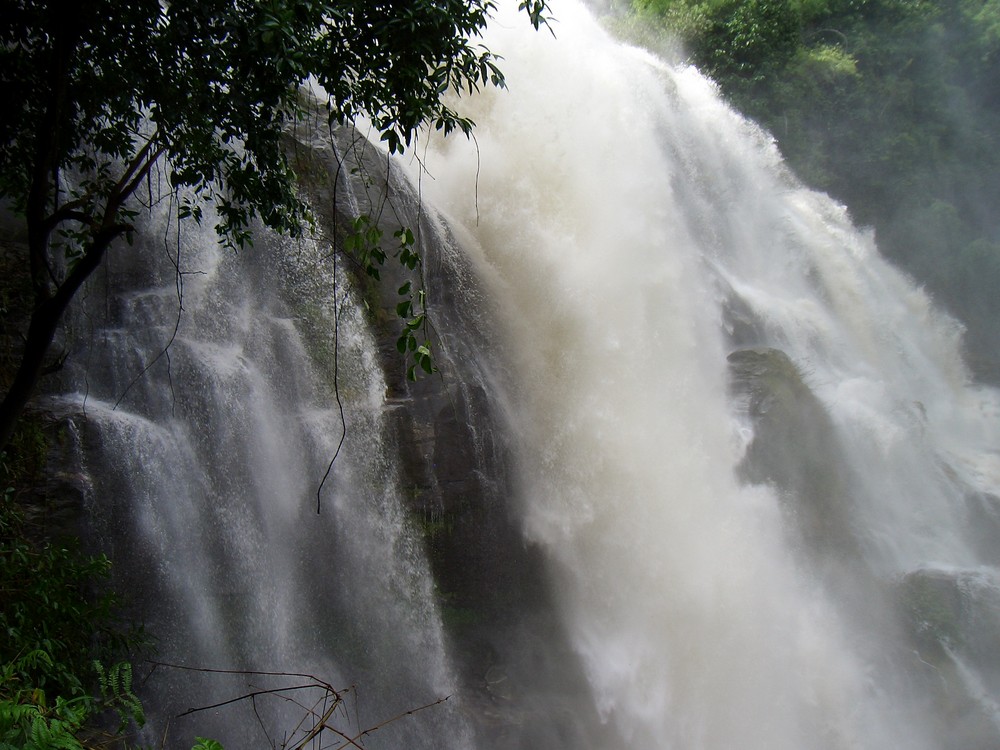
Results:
746 453
207 446
747 446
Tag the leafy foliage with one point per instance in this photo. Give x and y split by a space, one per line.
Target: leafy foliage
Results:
58 630
56 617
26 723
213 88
203 90
116 689
58 622
53 625
746 39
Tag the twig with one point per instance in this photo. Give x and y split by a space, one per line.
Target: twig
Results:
250 696
320 725
179 286
397 717
336 341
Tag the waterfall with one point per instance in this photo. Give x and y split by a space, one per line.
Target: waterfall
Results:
701 470
764 486
212 412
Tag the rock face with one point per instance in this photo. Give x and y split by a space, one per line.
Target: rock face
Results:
793 448
454 464
456 468
453 461
951 620
936 619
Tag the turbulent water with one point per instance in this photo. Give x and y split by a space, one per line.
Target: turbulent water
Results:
801 556
762 488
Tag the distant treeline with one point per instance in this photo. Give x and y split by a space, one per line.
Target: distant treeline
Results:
891 106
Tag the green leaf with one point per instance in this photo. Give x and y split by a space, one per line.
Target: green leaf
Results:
400 234
211 102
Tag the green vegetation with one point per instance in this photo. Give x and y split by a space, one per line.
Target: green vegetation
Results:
59 626
105 93
892 107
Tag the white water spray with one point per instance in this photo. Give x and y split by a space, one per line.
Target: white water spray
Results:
205 487
625 217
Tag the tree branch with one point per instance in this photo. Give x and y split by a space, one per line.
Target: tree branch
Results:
67 212
45 319
138 170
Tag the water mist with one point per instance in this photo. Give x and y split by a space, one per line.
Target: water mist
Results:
729 484
747 445
212 412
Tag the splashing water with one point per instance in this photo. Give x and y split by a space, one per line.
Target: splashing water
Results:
205 482
730 574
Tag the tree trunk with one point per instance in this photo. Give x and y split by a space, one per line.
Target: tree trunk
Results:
42 329
44 320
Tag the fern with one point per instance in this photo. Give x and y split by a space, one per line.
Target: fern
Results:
117 693
26 726
15 714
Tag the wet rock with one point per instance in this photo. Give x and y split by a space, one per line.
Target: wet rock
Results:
794 448
951 618
454 467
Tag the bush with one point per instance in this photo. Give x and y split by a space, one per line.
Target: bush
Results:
58 626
